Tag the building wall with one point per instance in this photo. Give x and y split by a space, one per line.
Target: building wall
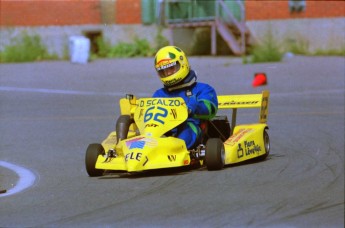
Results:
128 11
56 38
76 12
55 21
311 34
68 12
279 9
49 13
321 25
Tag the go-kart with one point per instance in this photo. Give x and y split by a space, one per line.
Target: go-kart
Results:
141 140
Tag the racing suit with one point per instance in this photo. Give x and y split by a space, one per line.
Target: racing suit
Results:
202 103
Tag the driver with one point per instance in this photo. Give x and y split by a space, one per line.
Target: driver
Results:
179 80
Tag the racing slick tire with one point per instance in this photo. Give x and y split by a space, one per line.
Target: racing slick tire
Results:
215 154
266 140
92 152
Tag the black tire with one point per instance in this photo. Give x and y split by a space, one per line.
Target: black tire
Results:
92 152
215 154
267 146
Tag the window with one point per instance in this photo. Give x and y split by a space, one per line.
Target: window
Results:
297 5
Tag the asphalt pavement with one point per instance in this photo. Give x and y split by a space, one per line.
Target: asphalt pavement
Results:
51 111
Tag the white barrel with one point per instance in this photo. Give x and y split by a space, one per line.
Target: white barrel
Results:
79 49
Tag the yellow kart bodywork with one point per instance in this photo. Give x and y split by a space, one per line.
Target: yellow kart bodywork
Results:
247 141
146 154
147 148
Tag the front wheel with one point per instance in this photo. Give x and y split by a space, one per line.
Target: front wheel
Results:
92 153
215 154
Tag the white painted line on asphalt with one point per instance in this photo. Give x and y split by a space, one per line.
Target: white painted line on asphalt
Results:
66 92
53 91
26 178
122 94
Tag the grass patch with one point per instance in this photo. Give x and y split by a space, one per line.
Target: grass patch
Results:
25 48
330 52
300 47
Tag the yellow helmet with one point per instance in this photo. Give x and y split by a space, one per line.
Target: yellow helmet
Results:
171 65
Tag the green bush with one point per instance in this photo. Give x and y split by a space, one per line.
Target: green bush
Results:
267 51
300 47
103 48
140 47
25 49
161 41
122 49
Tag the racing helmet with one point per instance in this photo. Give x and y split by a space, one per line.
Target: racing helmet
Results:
171 65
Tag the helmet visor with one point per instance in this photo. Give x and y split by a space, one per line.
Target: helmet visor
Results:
167 70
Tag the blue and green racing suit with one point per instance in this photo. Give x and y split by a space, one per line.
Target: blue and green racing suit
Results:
202 103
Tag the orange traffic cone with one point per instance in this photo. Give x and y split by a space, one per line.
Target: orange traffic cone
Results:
260 79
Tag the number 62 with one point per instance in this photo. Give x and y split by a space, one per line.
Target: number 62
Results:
149 114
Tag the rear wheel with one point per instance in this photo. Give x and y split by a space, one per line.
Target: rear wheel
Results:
215 154
267 146
92 153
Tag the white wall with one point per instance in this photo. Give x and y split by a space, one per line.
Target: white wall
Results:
55 38
318 33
